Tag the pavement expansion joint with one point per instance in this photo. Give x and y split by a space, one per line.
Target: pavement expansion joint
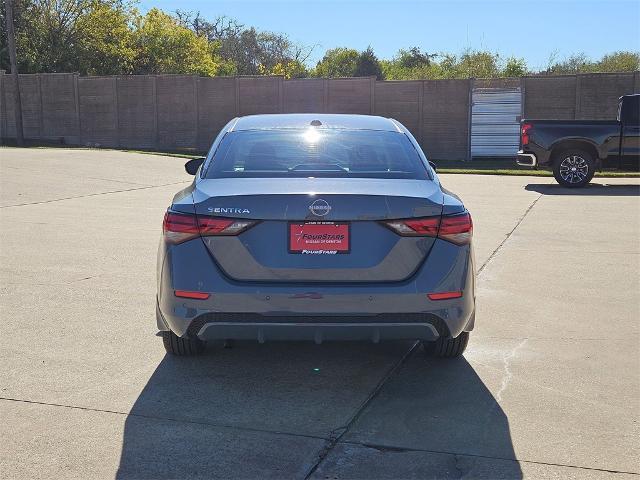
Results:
164 419
460 455
333 441
493 254
93 194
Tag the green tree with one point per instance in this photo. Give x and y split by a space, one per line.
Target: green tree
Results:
477 64
622 61
413 58
106 45
288 70
46 34
87 36
411 64
338 62
368 65
165 46
515 67
250 50
576 63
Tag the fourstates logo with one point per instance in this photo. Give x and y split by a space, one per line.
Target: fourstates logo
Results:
320 207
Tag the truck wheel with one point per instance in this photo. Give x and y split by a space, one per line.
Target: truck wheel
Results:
447 347
574 168
181 346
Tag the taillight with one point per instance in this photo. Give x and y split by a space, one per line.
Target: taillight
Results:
456 229
414 227
180 227
524 133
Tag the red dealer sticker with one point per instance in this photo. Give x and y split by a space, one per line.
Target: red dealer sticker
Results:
319 238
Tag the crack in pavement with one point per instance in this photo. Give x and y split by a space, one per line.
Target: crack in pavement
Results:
338 433
506 364
165 419
343 430
493 254
94 194
459 455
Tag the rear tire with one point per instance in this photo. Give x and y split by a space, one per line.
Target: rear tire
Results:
447 347
574 168
180 346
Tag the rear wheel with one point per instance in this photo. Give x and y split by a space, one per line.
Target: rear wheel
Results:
447 347
574 168
181 346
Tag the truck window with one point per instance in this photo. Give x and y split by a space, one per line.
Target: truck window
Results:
630 110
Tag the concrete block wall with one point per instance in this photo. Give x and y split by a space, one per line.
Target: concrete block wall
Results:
177 112
445 115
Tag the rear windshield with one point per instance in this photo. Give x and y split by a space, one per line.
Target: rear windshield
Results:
314 152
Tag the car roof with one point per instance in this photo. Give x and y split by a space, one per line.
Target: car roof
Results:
304 120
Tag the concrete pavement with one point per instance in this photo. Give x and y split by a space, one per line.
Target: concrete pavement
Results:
549 387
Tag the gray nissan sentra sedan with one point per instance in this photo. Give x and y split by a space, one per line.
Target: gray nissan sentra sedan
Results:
315 227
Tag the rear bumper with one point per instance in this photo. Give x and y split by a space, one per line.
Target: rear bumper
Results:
526 159
317 312
248 326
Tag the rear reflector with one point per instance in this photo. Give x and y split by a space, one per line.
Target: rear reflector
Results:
195 295
444 295
180 227
456 229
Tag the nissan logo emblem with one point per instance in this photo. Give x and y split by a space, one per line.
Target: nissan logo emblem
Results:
320 208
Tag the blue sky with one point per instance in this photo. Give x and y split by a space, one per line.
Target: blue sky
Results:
529 29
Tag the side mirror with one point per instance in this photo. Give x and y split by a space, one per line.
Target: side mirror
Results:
433 165
193 165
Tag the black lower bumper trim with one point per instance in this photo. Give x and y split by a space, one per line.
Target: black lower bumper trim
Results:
386 325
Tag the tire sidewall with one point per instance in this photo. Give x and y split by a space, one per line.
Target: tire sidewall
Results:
580 153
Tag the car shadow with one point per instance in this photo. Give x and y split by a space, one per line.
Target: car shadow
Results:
594 189
265 411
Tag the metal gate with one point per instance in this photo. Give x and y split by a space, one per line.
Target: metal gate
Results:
495 116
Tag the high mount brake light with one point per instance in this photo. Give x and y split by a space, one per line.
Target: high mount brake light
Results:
180 227
456 229
524 133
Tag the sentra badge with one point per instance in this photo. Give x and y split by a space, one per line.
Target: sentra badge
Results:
228 210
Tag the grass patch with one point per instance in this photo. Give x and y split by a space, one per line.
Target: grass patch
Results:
501 166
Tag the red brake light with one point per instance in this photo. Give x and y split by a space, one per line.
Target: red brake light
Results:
416 226
180 227
213 226
524 133
456 229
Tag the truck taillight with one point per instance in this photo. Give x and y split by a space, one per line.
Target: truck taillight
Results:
524 133
456 229
180 227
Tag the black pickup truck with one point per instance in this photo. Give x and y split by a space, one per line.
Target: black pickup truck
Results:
575 149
